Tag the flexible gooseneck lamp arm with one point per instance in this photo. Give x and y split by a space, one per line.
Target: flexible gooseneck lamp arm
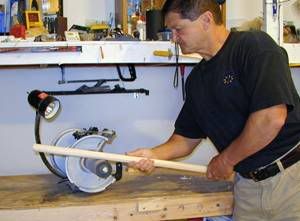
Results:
38 141
47 107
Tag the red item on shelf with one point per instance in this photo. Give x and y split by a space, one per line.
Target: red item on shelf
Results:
19 31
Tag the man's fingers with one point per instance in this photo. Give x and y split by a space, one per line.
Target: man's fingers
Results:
213 176
145 165
132 164
148 165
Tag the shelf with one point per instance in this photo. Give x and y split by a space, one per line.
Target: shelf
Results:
92 52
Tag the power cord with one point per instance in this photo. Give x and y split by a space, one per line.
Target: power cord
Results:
175 80
38 141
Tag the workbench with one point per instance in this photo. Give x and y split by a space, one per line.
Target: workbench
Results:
162 195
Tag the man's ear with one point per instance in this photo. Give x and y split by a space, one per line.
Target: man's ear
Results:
206 19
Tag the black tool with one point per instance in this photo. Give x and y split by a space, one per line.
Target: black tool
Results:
132 73
182 72
175 80
116 90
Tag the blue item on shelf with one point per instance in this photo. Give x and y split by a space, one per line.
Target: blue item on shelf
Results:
2 26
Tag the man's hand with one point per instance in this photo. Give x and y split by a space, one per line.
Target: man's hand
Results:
145 165
268 121
175 147
219 168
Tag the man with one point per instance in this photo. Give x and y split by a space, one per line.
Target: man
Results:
242 97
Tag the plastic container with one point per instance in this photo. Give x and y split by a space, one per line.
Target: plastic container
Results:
141 27
2 26
165 35
19 31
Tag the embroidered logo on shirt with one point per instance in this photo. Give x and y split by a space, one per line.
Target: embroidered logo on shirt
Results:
228 79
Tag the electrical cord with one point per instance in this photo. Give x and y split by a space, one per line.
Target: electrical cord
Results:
175 80
38 141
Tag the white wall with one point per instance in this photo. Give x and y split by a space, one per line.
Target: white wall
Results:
291 12
239 11
81 11
296 78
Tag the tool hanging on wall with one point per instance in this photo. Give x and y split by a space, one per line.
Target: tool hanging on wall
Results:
182 73
99 88
168 53
132 73
175 80
131 69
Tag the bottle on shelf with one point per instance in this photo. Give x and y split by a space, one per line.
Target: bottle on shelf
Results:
141 28
34 5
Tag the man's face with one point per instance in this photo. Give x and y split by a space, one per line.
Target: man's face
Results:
188 34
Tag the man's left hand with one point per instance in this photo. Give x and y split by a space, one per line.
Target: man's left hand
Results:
219 168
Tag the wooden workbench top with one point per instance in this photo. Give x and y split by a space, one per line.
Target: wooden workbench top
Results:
165 194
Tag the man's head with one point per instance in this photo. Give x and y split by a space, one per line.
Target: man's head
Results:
192 9
195 25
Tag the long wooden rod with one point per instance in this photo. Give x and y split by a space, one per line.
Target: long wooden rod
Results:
115 157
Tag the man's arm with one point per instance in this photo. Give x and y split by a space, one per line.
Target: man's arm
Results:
260 129
177 146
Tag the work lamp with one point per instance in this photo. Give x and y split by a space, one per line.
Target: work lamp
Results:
47 106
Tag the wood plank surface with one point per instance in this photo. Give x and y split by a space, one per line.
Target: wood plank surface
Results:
163 195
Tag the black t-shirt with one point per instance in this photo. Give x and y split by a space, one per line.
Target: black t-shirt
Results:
249 73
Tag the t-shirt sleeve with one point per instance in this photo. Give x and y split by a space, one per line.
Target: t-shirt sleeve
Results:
186 124
269 82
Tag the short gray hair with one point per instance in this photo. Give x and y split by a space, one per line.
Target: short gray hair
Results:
192 9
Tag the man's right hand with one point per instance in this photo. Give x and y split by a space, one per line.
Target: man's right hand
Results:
145 165
175 147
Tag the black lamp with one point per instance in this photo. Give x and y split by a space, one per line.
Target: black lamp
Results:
47 106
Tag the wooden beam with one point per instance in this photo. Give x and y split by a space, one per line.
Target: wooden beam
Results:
116 157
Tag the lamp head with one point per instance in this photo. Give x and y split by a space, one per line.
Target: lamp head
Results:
47 106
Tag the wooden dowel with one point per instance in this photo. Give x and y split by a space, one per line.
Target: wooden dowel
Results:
115 157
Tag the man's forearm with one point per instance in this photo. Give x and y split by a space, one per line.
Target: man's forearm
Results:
261 129
177 146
